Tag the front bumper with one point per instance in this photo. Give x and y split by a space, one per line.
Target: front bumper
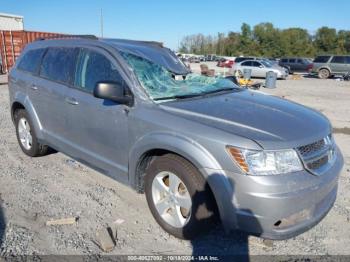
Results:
278 207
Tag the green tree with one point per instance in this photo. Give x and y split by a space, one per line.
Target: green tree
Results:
296 42
326 40
343 42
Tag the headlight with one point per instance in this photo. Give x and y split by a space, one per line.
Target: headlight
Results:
269 162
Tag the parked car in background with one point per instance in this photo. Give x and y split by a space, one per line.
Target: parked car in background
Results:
259 68
194 59
224 62
329 65
210 57
296 64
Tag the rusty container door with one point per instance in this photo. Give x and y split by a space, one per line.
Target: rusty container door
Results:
13 42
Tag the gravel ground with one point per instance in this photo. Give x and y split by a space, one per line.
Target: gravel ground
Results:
34 190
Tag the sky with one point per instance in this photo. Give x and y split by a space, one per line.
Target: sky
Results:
168 21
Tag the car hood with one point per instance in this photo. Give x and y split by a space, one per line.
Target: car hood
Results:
270 121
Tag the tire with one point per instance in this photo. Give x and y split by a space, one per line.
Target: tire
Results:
32 148
201 214
324 73
288 70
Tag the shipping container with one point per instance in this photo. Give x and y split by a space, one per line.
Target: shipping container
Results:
13 42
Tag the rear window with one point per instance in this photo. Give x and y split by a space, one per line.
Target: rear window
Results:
321 59
30 61
58 64
338 59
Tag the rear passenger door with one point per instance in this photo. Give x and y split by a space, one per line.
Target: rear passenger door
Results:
49 91
98 129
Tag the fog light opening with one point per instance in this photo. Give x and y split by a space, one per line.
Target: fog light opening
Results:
277 223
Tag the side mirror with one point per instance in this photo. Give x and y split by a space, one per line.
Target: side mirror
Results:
112 91
260 66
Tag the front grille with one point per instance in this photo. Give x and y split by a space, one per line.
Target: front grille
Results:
318 156
311 148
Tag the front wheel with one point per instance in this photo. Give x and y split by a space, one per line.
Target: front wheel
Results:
179 198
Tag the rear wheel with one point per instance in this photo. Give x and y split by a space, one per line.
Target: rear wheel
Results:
324 73
179 197
26 135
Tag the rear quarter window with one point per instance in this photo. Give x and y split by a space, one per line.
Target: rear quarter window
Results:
338 59
321 59
30 61
58 64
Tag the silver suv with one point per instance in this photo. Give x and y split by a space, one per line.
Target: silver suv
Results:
199 147
328 65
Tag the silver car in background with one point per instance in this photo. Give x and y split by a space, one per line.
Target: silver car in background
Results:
259 68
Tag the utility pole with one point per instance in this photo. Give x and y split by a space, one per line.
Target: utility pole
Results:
101 22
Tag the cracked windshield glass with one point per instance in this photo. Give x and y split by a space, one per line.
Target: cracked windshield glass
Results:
160 84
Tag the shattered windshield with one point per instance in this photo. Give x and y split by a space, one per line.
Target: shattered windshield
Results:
161 84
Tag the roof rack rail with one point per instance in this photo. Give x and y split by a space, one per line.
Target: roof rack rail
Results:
60 36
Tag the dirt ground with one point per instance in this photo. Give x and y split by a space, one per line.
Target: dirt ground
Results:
34 190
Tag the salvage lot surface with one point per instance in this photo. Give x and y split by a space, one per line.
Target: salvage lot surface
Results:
35 190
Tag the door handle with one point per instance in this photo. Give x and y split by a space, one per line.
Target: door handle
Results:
72 101
34 87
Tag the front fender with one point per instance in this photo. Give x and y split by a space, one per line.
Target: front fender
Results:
198 156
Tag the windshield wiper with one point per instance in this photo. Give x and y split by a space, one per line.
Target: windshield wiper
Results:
199 94
222 90
177 97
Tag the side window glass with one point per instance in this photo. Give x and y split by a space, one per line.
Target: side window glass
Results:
256 64
348 59
292 60
284 60
247 63
338 59
92 68
58 64
30 62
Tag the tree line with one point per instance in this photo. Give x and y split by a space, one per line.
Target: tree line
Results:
266 40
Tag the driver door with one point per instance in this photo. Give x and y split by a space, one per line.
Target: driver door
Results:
98 129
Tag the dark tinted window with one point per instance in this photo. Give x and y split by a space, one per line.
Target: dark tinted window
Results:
284 60
256 64
30 62
321 59
300 61
292 60
347 59
338 59
93 67
58 64
240 59
247 63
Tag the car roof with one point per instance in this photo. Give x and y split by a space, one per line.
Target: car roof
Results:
149 50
